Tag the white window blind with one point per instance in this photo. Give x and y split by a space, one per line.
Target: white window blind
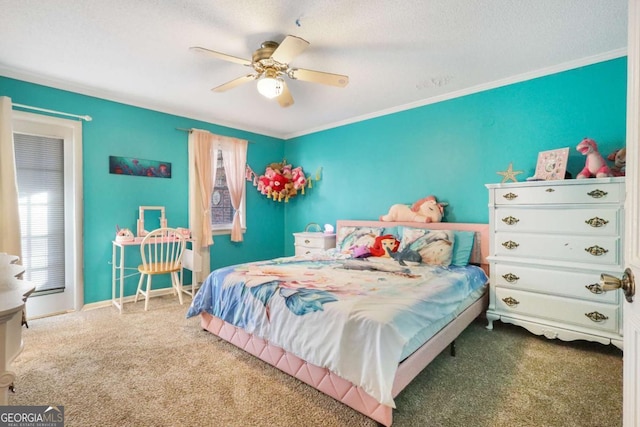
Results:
40 176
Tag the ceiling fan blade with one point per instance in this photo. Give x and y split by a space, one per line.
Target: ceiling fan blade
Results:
319 77
285 99
235 82
222 56
290 47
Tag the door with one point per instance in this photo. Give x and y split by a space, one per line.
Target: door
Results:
49 175
631 310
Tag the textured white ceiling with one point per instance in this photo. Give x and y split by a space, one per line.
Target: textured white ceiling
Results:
397 54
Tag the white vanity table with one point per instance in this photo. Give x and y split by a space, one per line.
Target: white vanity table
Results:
152 217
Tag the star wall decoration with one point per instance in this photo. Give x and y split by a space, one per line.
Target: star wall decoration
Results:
509 174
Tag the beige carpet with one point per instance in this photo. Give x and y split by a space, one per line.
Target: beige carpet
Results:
157 368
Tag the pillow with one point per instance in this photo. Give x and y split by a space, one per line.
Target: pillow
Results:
356 236
383 244
434 246
462 247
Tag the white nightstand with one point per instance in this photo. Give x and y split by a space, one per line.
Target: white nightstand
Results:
313 242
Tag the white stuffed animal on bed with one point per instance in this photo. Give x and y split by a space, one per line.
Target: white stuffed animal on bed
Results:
424 210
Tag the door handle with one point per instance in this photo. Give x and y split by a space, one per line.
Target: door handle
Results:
626 283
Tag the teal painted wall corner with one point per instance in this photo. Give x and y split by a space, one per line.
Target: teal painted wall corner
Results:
451 149
109 200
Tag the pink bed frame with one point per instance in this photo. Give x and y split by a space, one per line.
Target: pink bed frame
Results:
339 388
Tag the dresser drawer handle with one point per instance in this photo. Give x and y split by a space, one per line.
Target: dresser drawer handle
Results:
511 302
596 250
307 241
510 244
595 288
549 190
510 196
596 317
510 277
597 194
597 222
510 220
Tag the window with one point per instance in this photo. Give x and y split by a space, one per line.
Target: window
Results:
48 153
221 208
40 177
217 168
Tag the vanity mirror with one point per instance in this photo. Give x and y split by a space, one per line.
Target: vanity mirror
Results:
150 218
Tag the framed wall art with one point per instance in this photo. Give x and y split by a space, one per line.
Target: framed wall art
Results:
139 167
552 164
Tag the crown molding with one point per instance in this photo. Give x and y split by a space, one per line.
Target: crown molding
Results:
124 99
566 66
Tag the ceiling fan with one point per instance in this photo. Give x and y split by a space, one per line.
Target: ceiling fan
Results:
270 62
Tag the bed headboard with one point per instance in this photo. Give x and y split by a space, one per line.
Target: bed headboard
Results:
480 246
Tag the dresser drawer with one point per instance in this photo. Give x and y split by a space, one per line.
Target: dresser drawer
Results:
591 193
595 221
601 250
566 310
573 284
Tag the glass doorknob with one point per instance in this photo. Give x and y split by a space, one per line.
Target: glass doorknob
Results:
626 283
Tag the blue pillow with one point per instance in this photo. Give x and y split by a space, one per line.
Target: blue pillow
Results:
434 246
462 247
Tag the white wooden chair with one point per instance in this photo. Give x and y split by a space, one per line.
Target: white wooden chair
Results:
161 252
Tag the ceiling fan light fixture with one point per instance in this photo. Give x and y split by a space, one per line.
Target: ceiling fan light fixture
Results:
270 87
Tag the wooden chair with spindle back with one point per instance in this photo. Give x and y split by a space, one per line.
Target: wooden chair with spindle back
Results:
161 252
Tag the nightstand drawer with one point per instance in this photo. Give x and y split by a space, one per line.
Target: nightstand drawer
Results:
584 313
567 283
315 240
601 250
310 242
556 194
600 221
304 250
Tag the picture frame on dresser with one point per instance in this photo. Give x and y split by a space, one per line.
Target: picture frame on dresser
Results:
549 243
552 164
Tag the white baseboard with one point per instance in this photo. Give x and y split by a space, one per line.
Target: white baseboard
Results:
130 298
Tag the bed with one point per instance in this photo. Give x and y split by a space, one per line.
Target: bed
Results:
357 329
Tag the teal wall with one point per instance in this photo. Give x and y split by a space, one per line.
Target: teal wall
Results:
451 149
123 130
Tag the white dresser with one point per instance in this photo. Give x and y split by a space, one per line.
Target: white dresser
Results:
313 242
550 241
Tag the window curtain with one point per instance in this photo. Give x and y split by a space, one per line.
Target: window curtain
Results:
200 189
9 212
234 158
